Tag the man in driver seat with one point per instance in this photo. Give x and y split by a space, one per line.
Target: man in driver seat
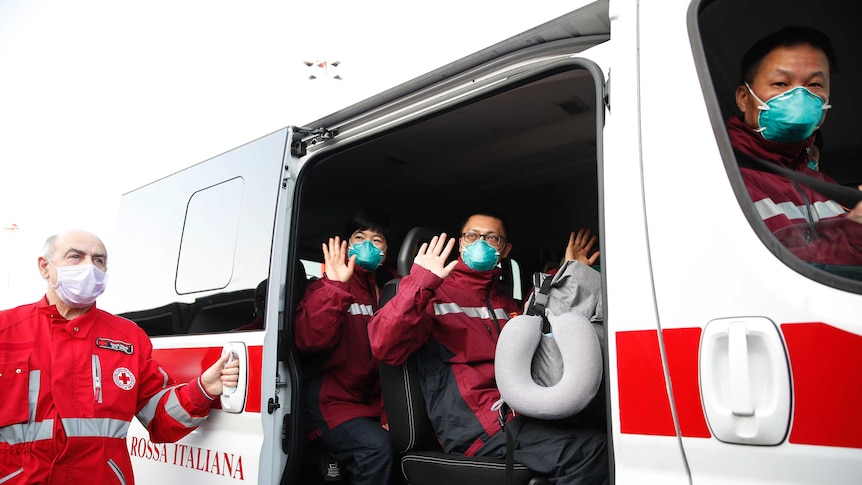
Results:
784 97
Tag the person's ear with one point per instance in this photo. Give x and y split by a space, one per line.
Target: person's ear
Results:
43 267
504 253
742 95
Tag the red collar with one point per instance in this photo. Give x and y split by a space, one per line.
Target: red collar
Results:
743 138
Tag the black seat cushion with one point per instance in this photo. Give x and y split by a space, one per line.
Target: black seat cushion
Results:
437 467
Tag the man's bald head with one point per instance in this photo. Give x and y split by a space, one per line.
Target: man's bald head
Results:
67 245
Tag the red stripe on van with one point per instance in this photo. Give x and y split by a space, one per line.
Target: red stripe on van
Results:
255 364
826 367
682 346
186 364
644 404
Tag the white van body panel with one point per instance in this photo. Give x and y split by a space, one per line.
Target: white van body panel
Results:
680 256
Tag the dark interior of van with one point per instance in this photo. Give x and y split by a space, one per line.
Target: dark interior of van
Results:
527 153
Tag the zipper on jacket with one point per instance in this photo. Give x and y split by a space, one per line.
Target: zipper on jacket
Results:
97 379
491 309
812 228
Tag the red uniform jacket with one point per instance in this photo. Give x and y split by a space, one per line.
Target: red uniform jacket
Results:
70 390
343 378
453 324
811 225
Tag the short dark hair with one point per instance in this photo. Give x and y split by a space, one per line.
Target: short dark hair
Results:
486 213
790 36
369 218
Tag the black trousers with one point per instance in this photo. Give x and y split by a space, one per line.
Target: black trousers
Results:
363 447
567 452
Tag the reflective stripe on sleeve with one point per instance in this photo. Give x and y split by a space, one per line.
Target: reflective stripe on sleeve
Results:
165 379
148 412
475 312
176 411
172 407
357 309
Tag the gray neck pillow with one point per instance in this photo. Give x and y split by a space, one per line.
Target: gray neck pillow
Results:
572 356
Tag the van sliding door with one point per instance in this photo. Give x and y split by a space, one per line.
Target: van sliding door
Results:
190 264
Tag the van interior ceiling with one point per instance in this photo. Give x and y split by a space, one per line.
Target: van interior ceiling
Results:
527 152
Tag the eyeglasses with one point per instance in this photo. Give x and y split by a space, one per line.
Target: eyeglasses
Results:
493 239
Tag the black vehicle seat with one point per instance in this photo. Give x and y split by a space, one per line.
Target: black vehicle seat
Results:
422 460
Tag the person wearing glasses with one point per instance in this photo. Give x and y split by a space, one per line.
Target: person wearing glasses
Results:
451 315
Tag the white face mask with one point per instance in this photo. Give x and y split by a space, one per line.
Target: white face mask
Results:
79 285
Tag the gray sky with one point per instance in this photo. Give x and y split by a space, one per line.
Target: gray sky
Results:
100 97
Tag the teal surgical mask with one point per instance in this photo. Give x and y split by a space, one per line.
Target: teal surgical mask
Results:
791 116
367 254
480 255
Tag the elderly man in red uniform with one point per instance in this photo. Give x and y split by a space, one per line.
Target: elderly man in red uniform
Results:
73 376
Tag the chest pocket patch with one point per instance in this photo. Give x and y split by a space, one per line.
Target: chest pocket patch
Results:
15 382
116 345
124 379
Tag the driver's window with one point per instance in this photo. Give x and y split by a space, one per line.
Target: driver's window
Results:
785 88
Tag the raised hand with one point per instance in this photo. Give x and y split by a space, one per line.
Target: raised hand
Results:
856 212
580 246
334 257
432 256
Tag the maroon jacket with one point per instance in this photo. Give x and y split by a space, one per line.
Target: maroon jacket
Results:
811 225
453 324
331 322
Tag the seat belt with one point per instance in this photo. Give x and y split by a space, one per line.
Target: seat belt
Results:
846 196
510 444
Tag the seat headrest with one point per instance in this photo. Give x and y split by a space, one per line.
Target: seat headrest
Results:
414 238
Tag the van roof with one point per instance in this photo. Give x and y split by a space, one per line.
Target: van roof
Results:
589 20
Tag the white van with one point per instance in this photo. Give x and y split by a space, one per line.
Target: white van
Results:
729 360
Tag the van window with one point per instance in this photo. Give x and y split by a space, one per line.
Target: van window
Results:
801 223
209 238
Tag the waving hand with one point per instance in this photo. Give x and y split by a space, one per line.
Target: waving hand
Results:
432 256
334 257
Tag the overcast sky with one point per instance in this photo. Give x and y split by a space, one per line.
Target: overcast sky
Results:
100 97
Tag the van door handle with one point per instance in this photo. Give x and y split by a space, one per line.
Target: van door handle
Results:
745 381
740 384
233 398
